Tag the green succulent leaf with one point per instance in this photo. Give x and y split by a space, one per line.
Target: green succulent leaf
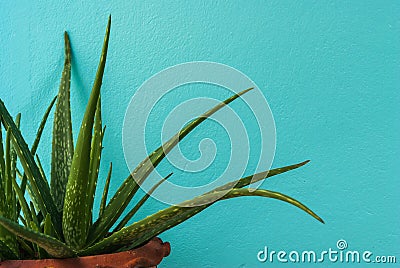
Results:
40 167
2 163
22 201
243 182
42 125
39 185
48 226
105 191
95 156
3 203
8 179
34 214
34 199
142 231
129 187
63 145
76 212
47 230
54 247
12 173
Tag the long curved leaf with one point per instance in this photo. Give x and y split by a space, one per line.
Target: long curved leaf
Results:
42 125
105 191
76 216
141 231
129 187
24 205
53 246
95 156
2 163
63 145
243 182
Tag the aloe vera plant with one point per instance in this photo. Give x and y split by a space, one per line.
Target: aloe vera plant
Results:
57 220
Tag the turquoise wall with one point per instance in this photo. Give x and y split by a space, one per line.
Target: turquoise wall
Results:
330 71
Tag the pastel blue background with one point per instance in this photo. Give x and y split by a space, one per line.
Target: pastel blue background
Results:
330 71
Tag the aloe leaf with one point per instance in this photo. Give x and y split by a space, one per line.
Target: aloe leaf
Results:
243 182
105 191
95 156
2 163
131 213
24 181
63 146
41 126
54 247
13 153
235 184
22 201
48 226
39 185
34 214
129 187
76 215
8 185
13 169
33 198
3 202
41 170
142 231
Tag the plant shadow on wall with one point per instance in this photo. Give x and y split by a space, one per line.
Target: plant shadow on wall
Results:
58 221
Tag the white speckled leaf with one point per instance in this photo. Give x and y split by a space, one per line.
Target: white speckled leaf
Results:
62 147
142 231
95 156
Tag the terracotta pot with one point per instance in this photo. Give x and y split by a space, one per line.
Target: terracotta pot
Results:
149 255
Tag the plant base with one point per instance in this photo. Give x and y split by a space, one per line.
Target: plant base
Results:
149 255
